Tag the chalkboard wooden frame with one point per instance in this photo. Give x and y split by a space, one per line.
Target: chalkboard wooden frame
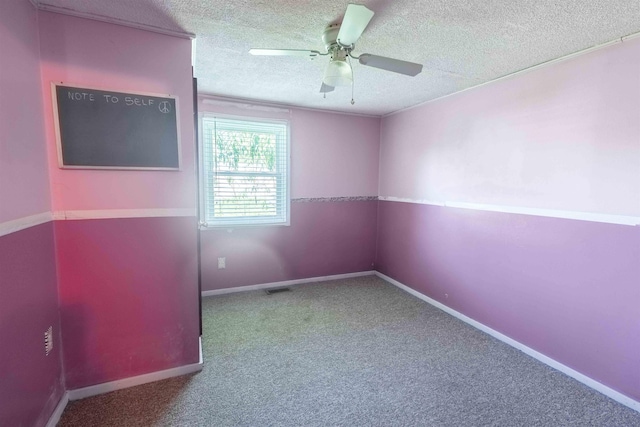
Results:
175 114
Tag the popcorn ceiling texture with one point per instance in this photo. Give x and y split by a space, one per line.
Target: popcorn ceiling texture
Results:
460 43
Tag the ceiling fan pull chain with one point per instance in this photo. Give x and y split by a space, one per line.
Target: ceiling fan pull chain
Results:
352 80
352 101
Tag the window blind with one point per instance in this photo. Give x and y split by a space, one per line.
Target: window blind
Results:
245 171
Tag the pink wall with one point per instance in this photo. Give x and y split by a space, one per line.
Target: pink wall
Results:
565 137
332 156
24 187
96 54
128 297
127 287
31 383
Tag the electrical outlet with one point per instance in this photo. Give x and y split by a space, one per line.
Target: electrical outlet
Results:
222 262
48 341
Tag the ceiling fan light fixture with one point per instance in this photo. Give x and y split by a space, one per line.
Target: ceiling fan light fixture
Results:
339 40
338 73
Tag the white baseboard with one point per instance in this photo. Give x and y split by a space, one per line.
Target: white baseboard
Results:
81 393
589 382
286 283
57 413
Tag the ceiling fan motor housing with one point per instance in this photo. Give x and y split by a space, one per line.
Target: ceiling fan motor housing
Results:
330 36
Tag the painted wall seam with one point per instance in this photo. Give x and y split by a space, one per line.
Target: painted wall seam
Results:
122 213
551 213
335 199
23 223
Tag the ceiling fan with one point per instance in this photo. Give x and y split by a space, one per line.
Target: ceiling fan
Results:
339 40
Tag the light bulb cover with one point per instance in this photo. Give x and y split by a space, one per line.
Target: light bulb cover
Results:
338 73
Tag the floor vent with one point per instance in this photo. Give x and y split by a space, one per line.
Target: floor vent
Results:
276 290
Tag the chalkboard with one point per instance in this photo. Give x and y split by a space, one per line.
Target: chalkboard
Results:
102 129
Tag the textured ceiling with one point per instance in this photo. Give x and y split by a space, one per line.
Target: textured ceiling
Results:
461 43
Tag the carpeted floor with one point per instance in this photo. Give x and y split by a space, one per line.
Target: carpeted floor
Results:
356 352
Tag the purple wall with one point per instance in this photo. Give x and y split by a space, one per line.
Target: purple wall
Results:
324 238
564 137
123 296
31 383
127 286
561 140
127 298
334 160
568 289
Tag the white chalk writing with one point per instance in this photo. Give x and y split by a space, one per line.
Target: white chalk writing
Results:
81 96
142 102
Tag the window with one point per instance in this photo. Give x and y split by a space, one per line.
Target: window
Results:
245 172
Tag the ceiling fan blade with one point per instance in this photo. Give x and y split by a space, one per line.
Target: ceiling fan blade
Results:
356 19
284 52
326 88
390 64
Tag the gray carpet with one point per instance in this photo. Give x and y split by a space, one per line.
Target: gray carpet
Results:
356 352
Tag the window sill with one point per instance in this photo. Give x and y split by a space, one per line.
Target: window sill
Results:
231 227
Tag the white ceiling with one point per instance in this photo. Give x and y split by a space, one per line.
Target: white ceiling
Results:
461 43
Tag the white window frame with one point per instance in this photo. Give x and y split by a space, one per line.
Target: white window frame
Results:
235 222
